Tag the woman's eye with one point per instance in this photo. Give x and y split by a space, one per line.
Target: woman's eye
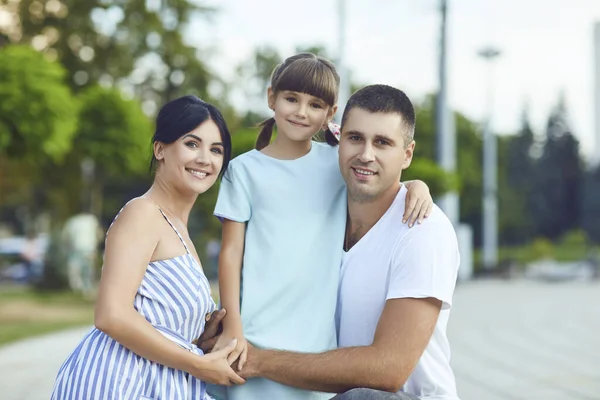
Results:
217 150
192 145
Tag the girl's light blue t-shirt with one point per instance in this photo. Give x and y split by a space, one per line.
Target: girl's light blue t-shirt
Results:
295 212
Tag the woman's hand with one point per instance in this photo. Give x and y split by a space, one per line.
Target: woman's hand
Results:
419 202
240 351
215 367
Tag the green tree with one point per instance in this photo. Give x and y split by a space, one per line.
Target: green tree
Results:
520 163
38 113
154 33
68 31
111 153
590 216
114 135
556 193
135 43
437 179
114 132
516 169
38 118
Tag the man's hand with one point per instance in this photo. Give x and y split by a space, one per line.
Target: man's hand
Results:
250 369
212 330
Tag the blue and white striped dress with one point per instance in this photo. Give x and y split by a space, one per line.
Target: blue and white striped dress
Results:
174 297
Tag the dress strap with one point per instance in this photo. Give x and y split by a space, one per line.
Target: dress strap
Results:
170 223
115 218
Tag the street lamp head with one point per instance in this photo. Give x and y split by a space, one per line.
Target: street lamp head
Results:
489 53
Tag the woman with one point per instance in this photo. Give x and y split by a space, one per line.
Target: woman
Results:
153 294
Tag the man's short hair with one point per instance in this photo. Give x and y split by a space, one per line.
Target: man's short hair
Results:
384 99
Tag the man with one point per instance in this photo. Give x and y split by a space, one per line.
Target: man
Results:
396 283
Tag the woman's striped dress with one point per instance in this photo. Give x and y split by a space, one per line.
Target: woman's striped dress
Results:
174 297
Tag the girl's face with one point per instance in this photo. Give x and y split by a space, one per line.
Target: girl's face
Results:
193 162
299 116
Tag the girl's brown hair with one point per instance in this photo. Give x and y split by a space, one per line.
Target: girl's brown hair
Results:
303 73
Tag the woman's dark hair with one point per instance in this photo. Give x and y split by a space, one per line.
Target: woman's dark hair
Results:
183 115
303 73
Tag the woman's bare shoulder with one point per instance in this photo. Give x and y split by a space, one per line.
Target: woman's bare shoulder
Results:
138 216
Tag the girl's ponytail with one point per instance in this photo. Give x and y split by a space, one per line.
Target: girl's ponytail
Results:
330 138
266 132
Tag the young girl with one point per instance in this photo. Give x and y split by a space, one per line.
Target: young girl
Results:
283 208
153 294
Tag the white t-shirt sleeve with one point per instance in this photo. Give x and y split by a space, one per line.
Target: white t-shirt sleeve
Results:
425 263
233 202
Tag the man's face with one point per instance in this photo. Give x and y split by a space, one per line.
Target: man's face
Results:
373 153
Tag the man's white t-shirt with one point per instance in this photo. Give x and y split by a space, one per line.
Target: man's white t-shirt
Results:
393 261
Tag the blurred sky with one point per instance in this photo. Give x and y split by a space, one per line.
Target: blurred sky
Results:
547 47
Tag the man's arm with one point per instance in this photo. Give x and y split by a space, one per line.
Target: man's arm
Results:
403 332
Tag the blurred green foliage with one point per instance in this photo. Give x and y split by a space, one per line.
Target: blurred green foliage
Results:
38 113
86 97
114 132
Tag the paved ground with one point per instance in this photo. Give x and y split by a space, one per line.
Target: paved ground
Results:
28 367
525 340
517 340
